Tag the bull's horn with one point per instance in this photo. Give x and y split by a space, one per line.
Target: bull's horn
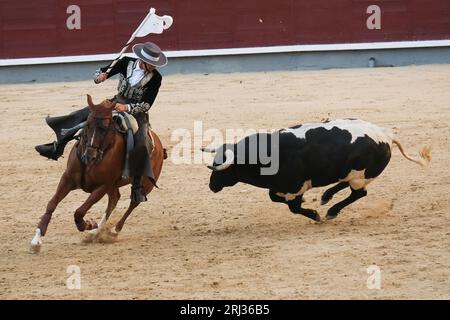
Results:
209 150
229 159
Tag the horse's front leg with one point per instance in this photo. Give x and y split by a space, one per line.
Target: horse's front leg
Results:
93 198
64 187
113 199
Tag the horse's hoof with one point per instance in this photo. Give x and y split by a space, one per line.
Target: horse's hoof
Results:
91 225
36 242
93 231
116 230
35 248
114 233
118 227
330 217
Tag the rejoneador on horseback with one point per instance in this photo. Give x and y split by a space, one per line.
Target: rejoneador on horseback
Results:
115 146
137 90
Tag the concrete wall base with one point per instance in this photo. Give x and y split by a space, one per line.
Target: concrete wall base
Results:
240 63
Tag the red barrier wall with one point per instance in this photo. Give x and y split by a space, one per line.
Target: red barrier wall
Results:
37 28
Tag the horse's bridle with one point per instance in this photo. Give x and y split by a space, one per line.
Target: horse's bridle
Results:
98 123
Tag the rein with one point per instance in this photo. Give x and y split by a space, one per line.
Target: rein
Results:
85 144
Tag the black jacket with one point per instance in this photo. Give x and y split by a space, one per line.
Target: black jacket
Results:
150 89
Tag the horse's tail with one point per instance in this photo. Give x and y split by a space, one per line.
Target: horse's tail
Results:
157 158
153 182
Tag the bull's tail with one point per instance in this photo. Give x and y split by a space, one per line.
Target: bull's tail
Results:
424 158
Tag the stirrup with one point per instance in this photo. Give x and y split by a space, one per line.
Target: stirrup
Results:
50 150
137 195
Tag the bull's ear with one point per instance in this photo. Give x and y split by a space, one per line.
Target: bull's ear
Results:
89 101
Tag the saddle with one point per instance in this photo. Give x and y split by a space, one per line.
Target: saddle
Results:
125 122
128 125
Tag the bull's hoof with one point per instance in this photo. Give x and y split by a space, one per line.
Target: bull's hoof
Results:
325 199
332 213
317 218
312 214
35 248
331 216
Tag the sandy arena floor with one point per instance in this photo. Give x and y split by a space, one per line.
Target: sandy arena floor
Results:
188 243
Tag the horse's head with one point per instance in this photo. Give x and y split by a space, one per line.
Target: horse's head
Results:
96 135
102 110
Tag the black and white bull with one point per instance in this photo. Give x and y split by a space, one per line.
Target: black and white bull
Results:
349 152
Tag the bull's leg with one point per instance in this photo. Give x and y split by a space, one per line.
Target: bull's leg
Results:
64 187
113 199
121 222
93 198
355 195
296 207
329 193
275 198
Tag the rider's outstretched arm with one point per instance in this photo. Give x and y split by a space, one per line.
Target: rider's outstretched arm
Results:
119 67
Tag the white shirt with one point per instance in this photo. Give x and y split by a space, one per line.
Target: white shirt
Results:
136 75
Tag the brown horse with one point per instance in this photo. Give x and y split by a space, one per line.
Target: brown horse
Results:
95 165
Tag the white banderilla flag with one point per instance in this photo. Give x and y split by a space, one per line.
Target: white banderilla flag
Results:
153 24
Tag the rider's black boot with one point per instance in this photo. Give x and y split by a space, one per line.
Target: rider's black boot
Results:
55 149
137 191
67 122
